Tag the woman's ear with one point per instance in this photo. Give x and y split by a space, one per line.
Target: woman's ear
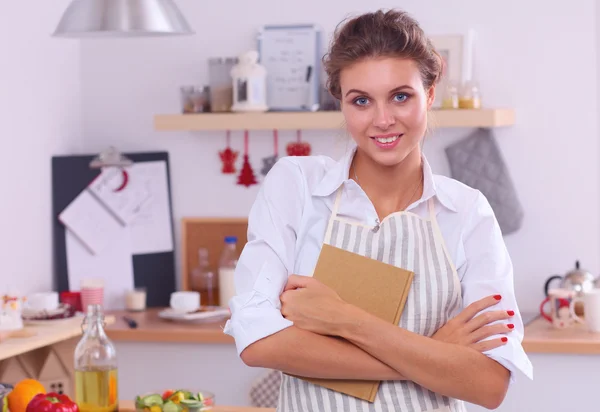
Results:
430 97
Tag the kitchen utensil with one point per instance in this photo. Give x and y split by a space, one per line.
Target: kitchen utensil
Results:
130 322
578 280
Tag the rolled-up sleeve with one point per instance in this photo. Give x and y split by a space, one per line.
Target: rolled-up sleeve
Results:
488 270
268 257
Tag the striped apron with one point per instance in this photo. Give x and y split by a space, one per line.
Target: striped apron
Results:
413 243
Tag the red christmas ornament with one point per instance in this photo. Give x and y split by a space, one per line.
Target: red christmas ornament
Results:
228 157
246 176
298 148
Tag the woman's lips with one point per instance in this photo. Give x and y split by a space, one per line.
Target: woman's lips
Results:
387 141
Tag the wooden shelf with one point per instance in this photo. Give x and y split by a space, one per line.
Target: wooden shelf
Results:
318 120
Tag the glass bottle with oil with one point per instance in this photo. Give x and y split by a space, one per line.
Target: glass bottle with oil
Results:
96 382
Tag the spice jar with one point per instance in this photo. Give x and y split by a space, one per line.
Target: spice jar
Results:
195 99
221 83
469 96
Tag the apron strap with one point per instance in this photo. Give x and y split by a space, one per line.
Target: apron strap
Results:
431 207
334 210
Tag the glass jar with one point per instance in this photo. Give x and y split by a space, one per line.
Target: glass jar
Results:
470 97
204 281
221 83
450 98
96 382
195 99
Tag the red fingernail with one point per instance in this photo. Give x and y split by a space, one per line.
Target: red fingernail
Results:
510 312
497 297
504 339
510 326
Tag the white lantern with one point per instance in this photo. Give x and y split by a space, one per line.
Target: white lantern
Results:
249 84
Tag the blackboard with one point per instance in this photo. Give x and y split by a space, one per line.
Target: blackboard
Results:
71 174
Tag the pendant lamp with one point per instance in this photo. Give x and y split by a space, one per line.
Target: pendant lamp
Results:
122 18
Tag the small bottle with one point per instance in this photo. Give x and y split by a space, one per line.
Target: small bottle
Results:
227 264
205 281
96 383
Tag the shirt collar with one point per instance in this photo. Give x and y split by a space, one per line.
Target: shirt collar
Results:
338 175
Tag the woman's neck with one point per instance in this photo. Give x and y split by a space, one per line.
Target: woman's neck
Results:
390 188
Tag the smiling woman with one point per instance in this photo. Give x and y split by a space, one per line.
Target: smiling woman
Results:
459 336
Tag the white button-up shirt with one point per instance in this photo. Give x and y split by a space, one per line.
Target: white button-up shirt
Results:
287 225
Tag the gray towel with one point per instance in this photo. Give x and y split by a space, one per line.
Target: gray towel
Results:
477 162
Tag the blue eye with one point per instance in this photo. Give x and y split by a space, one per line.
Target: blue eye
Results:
361 101
400 97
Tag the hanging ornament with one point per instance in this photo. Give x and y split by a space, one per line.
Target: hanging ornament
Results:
269 161
228 157
298 148
246 176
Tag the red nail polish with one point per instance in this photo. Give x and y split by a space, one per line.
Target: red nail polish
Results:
497 297
510 312
510 326
504 339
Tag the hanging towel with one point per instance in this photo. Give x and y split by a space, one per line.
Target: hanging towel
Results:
477 162
264 393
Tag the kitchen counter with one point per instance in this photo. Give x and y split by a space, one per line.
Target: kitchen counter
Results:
151 328
542 337
128 406
33 337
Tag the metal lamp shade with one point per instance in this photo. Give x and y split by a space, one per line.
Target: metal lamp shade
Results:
122 18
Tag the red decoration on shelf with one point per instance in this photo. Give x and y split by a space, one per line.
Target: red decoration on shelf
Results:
298 148
246 176
228 157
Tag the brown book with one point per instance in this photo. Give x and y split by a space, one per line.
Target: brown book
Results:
376 287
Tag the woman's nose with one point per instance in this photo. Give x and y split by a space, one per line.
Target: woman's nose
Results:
384 118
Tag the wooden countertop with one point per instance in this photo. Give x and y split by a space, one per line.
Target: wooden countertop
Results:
542 337
151 328
128 406
32 337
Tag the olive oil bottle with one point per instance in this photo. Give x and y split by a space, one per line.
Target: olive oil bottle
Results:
96 378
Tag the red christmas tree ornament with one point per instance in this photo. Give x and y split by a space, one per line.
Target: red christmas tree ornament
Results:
228 157
298 148
246 176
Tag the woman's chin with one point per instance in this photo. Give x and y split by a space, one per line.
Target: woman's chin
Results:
388 158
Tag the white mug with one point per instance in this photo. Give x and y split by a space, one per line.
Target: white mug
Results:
591 309
185 301
42 301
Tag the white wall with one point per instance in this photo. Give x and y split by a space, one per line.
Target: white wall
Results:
40 115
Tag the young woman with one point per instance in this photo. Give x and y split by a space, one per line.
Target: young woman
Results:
459 338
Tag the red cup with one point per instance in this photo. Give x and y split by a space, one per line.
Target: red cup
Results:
73 299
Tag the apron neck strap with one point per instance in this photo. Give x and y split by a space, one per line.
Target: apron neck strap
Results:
334 210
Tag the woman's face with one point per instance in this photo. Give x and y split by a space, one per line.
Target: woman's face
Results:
385 107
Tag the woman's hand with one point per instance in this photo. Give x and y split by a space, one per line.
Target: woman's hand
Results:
311 305
467 329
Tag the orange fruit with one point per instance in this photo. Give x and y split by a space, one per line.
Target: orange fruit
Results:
23 393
